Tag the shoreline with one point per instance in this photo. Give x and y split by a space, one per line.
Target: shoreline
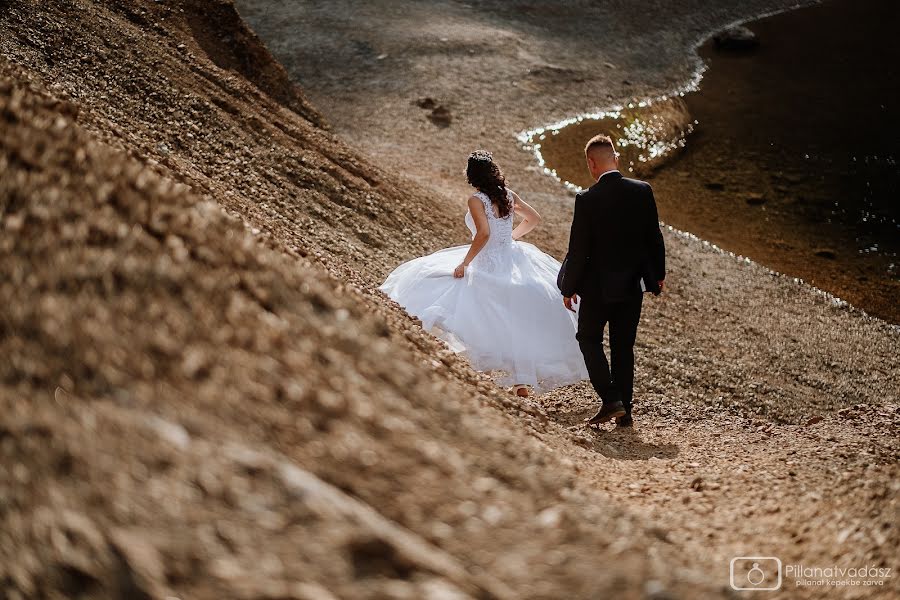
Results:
801 284
526 137
840 286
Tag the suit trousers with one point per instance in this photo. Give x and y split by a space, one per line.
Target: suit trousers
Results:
616 383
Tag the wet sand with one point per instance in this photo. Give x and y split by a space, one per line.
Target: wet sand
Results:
792 156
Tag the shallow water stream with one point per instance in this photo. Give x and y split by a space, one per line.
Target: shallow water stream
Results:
786 154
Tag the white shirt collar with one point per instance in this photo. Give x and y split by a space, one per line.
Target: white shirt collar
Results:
604 174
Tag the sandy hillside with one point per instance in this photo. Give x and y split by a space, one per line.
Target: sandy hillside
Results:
205 398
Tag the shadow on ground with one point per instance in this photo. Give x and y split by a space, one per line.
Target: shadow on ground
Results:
622 443
627 444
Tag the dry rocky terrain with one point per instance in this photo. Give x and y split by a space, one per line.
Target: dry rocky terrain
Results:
203 395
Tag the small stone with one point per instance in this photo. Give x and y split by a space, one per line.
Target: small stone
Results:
171 432
439 589
755 199
147 570
814 420
655 590
426 103
825 253
441 116
226 568
736 39
660 534
15 222
550 517
250 460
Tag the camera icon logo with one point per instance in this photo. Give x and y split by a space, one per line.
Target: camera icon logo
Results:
755 573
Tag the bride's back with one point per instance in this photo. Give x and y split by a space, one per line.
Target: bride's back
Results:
500 227
495 253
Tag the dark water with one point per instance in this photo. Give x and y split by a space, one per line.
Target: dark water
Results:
790 150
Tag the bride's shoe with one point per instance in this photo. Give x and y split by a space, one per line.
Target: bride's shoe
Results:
520 390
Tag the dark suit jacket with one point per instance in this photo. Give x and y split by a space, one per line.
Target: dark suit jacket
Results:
615 242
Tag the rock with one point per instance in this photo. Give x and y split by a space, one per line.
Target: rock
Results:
440 589
825 253
814 420
736 39
406 548
550 517
555 74
311 591
660 534
76 541
250 460
755 199
441 116
655 590
173 433
717 186
145 571
427 103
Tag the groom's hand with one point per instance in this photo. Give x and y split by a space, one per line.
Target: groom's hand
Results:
570 301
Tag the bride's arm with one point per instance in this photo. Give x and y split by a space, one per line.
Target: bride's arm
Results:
482 233
532 218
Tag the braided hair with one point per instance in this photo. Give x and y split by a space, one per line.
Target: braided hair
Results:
485 176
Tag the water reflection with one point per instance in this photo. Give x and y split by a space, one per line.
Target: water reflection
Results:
645 133
786 154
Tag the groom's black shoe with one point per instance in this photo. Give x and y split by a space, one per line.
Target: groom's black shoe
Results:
625 421
609 410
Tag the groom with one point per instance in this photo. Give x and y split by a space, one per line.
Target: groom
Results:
616 253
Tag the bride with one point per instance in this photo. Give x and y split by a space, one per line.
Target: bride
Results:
496 299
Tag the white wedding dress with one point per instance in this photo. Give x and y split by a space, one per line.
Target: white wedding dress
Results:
506 315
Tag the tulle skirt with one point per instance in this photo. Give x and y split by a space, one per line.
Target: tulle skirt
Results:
509 320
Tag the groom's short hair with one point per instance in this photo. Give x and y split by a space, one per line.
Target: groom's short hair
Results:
600 140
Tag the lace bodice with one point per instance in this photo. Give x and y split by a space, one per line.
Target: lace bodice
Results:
497 250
